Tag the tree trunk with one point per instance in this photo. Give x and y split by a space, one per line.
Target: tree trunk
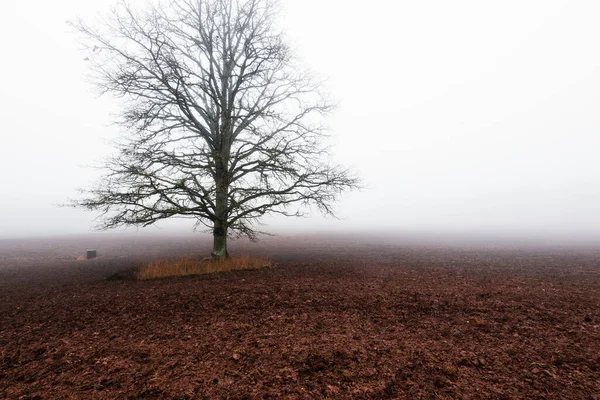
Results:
221 203
219 251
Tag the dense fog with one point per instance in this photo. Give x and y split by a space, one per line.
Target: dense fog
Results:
461 117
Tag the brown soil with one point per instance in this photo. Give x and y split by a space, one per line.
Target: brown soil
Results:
344 318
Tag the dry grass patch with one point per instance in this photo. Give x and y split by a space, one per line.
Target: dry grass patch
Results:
192 266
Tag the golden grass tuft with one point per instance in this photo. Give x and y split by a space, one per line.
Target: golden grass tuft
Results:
191 266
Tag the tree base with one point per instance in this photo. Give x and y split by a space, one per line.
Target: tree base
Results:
219 255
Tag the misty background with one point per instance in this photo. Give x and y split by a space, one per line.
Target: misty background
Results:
461 117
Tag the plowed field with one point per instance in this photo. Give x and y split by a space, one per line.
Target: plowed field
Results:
340 318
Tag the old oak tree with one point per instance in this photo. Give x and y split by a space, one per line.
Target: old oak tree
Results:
221 123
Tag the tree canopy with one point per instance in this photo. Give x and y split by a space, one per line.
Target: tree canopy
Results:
221 123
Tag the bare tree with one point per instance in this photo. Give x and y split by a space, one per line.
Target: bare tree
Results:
222 125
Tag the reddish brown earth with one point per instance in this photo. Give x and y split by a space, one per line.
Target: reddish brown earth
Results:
341 318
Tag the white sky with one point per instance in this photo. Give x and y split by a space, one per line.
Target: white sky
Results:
459 115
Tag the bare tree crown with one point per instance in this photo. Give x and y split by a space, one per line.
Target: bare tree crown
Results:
222 125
